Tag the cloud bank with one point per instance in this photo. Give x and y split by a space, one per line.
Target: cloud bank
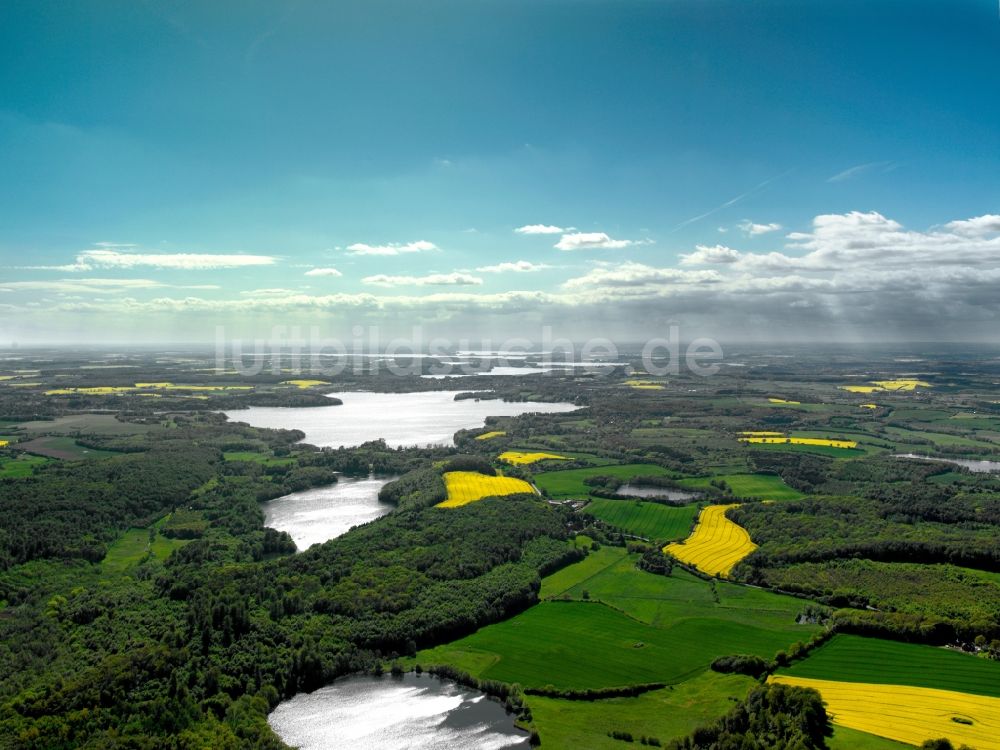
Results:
859 275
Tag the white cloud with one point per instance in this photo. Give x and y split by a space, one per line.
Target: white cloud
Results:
858 275
272 292
977 225
434 279
594 240
393 248
752 230
860 169
92 286
517 266
323 272
540 229
107 258
639 275
705 254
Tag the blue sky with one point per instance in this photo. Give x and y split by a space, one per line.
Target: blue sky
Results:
296 131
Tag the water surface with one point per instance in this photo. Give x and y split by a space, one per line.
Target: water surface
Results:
322 513
395 713
402 419
646 490
977 467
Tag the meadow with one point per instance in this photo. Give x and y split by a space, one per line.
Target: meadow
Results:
134 544
762 486
260 458
466 487
23 465
715 545
604 623
851 658
669 712
62 447
649 520
814 449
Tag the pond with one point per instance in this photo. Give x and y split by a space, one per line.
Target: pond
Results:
646 490
409 712
402 419
977 467
322 513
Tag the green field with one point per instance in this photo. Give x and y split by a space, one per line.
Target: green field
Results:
649 520
65 448
800 407
663 714
817 450
764 486
569 482
636 627
261 458
572 575
89 424
22 466
938 438
851 739
131 547
851 658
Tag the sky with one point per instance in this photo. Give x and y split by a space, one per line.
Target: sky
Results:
768 170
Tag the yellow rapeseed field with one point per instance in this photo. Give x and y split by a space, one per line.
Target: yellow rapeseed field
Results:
901 385
107 390
868 406
466 487
304 383
801 441
185 387
782 401
909 714
860 388
490 435
761 433
101 390
646 385
716 544
4 443
887 385
519 457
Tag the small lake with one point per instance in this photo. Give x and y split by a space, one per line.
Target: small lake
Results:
322 513
645 490
410 712
977 467
402 419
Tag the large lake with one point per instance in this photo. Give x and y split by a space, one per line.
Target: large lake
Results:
402 419
977 467
410 712
323 513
